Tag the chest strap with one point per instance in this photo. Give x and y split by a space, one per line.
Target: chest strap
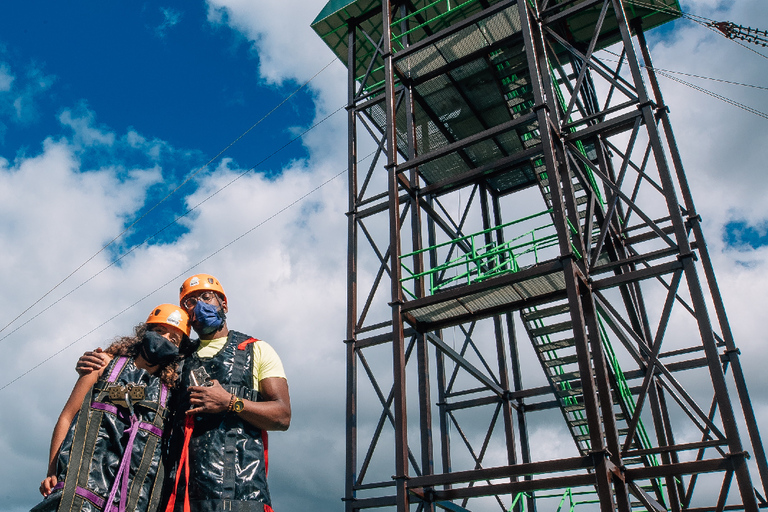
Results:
239 367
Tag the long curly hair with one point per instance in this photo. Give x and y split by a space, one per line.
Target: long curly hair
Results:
130 346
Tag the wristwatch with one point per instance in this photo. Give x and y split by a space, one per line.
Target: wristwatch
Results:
237 405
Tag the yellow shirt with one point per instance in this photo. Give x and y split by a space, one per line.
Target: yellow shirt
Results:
266 362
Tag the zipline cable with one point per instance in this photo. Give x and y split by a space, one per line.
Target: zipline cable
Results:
668 74
716 96
177 277
719 80
135 222
174 221
724 28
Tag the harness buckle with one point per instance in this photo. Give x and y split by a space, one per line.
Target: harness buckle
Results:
136 392
120 395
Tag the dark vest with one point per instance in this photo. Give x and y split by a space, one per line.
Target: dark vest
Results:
93 464
226 454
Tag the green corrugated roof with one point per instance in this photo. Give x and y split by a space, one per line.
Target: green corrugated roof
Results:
435 15
431 17
330 8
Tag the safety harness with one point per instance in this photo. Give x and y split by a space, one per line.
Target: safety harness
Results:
121 401
228 492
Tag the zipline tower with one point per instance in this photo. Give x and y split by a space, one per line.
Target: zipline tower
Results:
552 334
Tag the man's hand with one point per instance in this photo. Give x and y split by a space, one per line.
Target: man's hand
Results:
47 485
92 361
211 399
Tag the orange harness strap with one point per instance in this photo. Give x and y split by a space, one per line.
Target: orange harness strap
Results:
189 425
247 342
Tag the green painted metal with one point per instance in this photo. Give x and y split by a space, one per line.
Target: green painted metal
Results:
449 505
484 261
624 390
590 175
430 16
569 500
624 393
565 385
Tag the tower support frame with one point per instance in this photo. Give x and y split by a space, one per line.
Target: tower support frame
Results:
471 112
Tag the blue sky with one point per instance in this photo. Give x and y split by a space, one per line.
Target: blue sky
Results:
159 69
163 71
106 106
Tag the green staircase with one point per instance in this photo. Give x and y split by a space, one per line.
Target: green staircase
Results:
551 331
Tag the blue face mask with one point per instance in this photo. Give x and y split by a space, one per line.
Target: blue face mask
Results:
207 318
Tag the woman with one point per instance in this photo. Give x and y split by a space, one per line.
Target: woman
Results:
106 446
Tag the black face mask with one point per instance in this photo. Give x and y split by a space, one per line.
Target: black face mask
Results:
157 350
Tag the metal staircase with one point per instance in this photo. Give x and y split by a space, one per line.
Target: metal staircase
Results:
551 331
476 107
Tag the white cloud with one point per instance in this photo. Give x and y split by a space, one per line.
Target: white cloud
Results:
6 78
724 148
171 18
25 93
287 47
85 133
289 50
286 276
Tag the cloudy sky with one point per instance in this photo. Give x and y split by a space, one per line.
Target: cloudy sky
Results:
108 107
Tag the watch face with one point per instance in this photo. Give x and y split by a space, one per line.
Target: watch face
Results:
238 407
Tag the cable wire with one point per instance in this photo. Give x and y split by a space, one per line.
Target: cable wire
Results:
139 219
174 221
719 80
185 272
701 20
717 96
668 74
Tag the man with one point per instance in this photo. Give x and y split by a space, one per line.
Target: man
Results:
222 413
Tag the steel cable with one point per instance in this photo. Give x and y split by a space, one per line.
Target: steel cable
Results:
139 219
177 277
174 221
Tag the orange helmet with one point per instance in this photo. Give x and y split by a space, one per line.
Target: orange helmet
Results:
201 282
172 315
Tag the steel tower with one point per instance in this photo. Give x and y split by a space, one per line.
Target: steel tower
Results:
533 319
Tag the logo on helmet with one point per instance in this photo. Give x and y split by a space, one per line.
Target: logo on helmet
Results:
174 318
194 281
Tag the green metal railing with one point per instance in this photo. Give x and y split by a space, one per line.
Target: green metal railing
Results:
484 260
625 392
567 501
564 385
